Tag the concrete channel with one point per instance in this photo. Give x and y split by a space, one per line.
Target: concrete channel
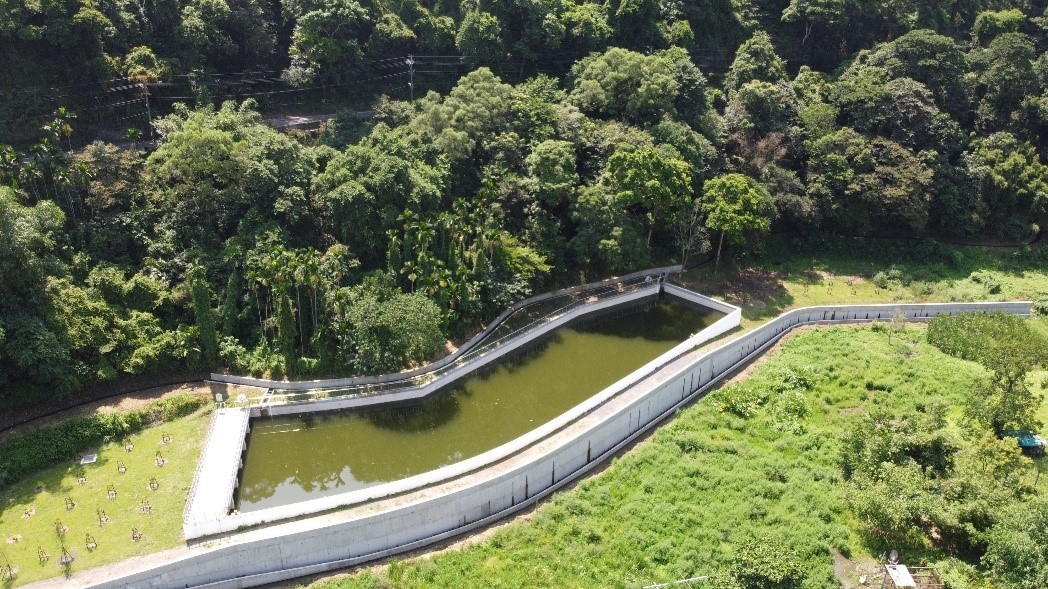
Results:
492 486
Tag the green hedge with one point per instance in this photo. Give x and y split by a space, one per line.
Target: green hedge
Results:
46 447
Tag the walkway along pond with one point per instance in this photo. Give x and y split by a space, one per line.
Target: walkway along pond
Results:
325 461
559 454
299 457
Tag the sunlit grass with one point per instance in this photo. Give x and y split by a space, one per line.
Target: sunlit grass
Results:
45 494
782 279
678 506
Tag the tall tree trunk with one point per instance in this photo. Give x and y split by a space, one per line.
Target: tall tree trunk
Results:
720 243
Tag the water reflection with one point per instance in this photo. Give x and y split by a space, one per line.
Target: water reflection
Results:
296 458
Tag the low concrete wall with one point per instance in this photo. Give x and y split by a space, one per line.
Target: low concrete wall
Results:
331 383
196 527
389 527
467 368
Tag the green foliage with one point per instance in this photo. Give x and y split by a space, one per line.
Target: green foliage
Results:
205 319
767 564
736 206
990 24
1040 304
755 60
479 37
1012 183
849 172
1015 554
893 277
1008 347
46 447
980 337
380 329
624 84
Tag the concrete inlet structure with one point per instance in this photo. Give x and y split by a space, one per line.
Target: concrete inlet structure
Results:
493 487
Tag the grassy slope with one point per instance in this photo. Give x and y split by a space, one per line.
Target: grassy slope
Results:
47 491
663 532
782 280
677 506
673 508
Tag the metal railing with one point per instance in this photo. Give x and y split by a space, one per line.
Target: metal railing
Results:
512 330
198 473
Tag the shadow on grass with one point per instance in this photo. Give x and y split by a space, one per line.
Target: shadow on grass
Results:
759 291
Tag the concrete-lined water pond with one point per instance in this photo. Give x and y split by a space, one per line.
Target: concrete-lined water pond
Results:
291 459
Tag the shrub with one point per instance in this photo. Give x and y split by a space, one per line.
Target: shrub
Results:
767 564
744 399
987 279
48 446
892 277
1040 304
978 336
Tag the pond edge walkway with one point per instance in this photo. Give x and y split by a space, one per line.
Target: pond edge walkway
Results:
414 520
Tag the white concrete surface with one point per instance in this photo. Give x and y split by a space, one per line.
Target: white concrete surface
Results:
211 494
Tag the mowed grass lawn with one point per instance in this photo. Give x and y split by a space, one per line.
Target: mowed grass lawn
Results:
680 504
44 496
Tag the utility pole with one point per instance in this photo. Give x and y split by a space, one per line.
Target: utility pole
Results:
411 77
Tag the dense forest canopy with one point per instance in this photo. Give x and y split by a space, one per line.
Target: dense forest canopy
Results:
363 249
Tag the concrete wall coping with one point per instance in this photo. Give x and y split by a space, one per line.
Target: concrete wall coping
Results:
301 385
337 539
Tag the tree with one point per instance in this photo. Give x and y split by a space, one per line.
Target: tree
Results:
755 60
1005 401
866 185
934 60
608 239
736 205
1017 546
1011 182
331 35
552 167
480 37
813 12
205 319
1006 76
625 84
651 181
691 236
991 24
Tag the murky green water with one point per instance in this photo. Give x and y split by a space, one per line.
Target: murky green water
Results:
295 458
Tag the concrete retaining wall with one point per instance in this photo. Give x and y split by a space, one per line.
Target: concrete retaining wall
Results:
330 542
458 372
206 524
305 385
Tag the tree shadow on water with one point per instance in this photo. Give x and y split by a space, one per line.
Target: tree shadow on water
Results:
430 414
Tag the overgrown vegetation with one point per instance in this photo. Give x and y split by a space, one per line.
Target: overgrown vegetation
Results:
233 245
880 457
